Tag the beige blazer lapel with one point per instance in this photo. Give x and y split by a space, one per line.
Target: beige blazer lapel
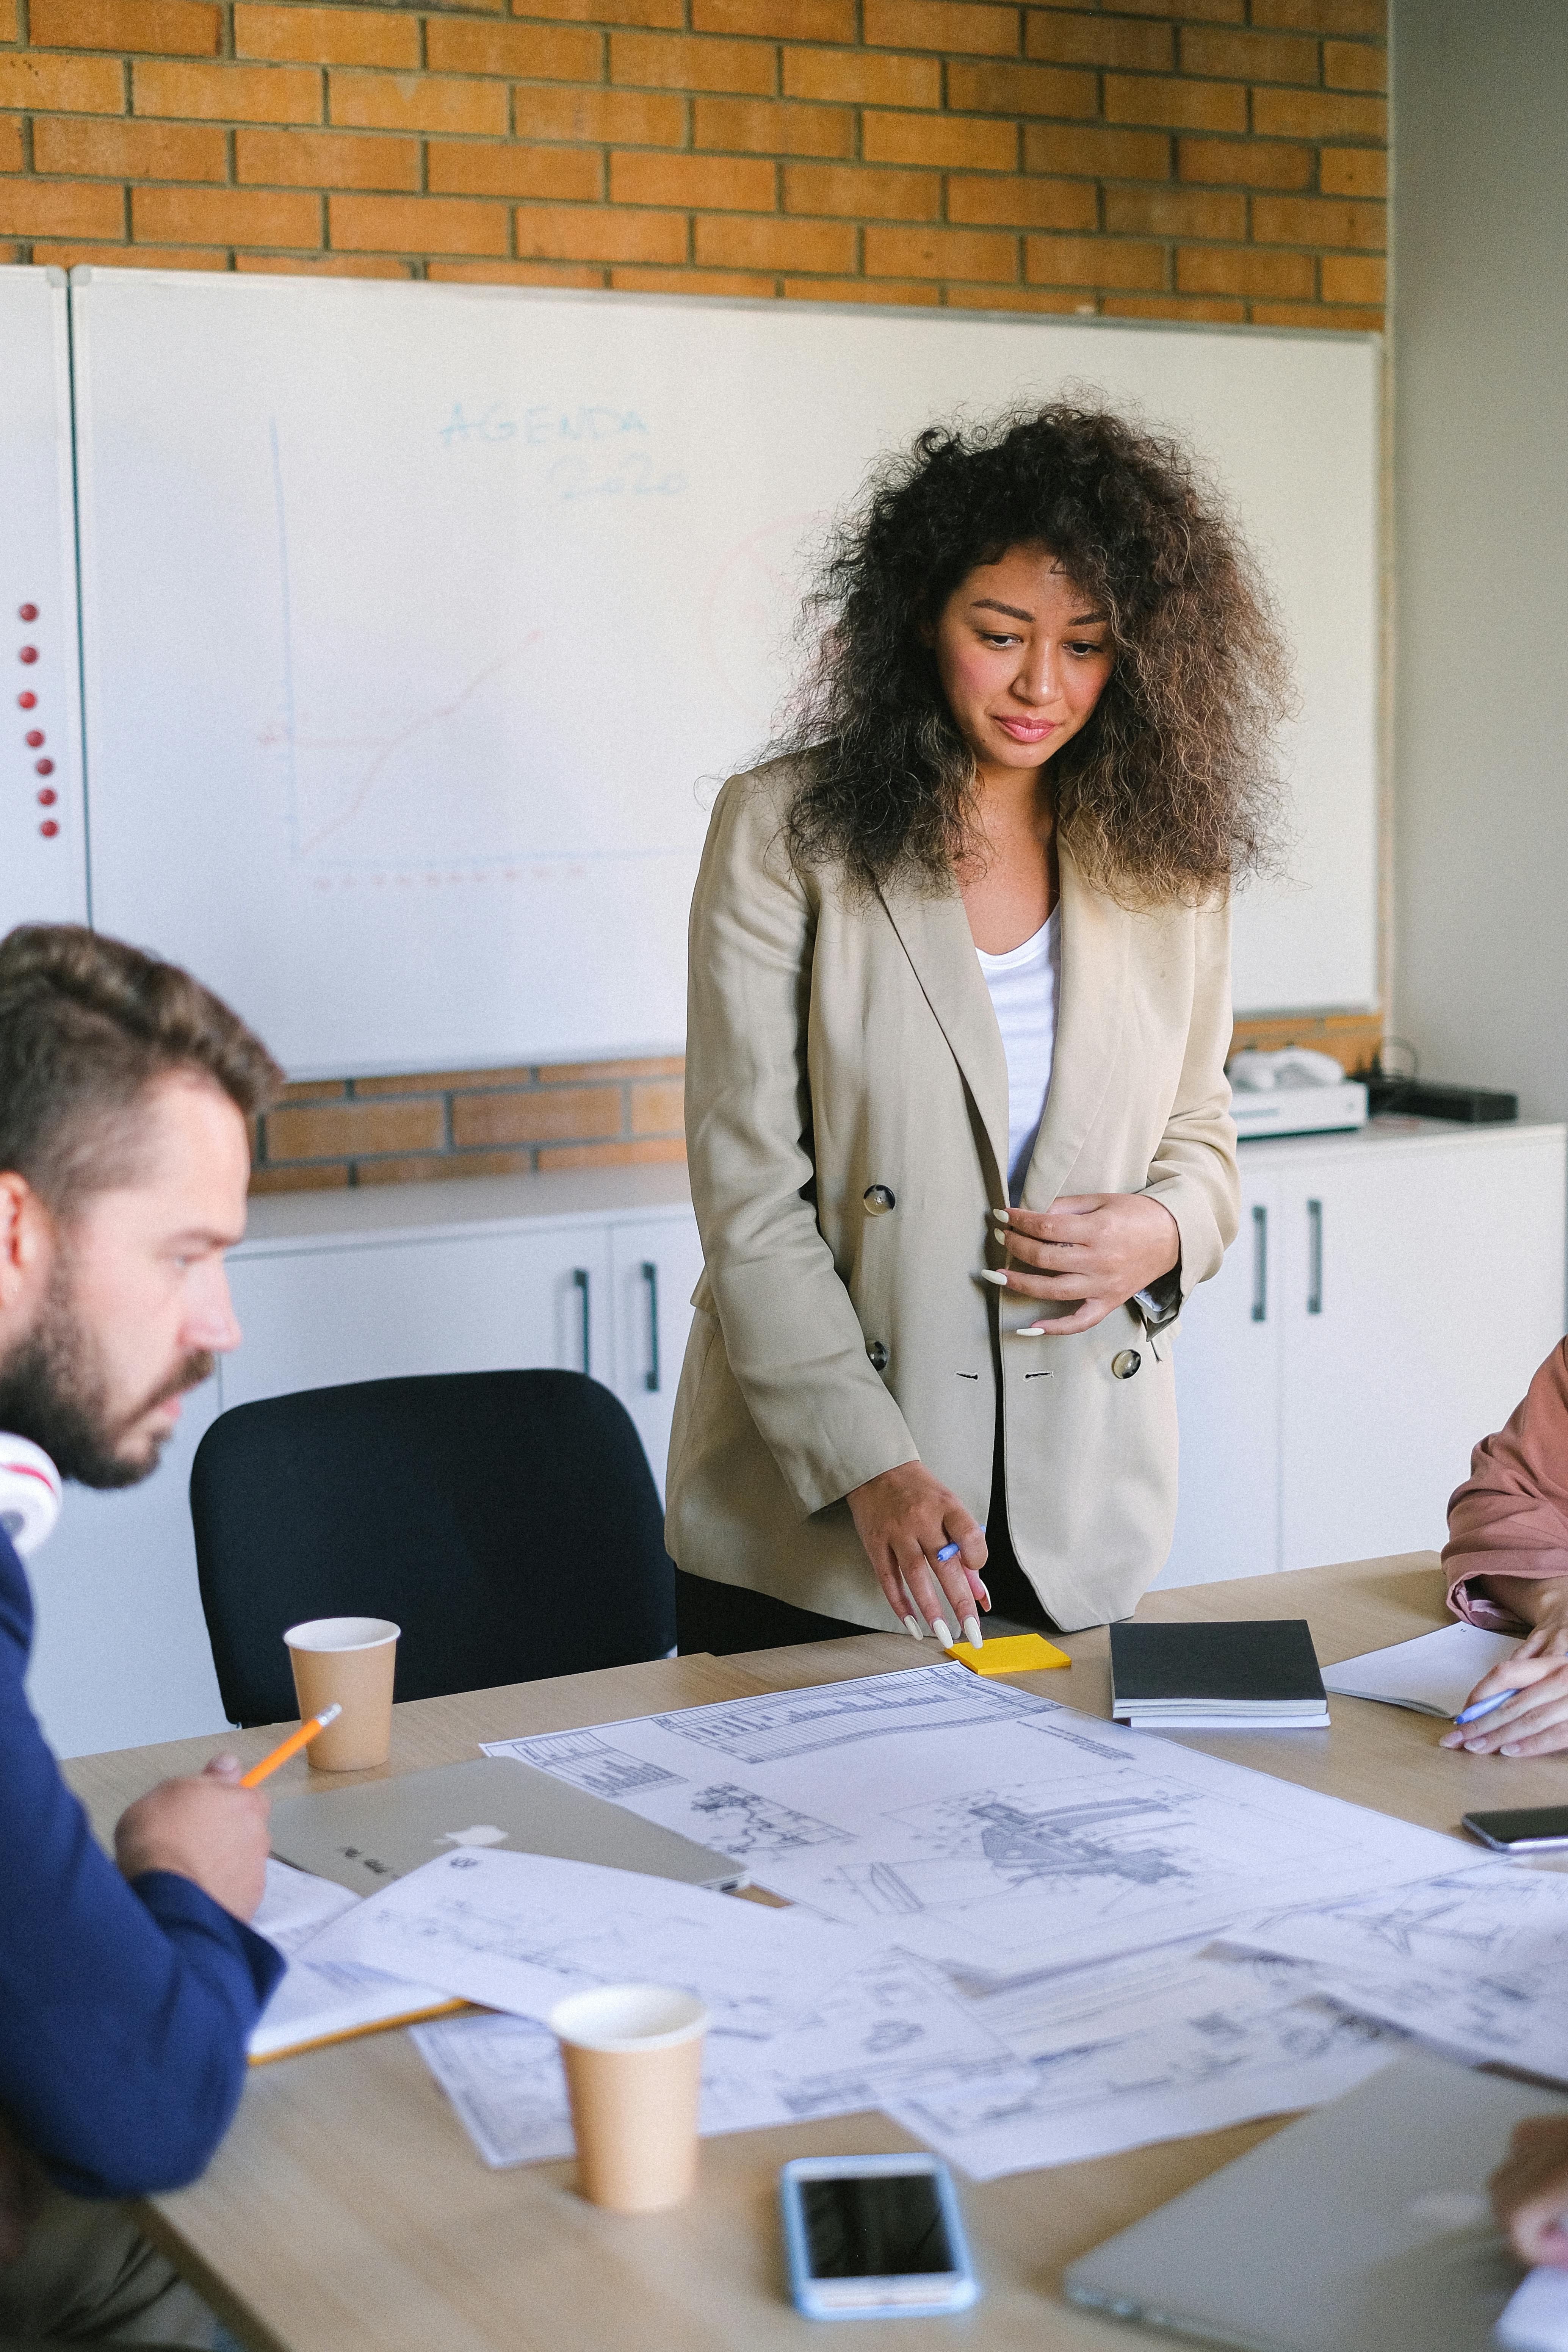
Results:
934 933
1091 1016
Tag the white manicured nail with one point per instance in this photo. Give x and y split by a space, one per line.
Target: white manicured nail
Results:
973 1634
1001 1216
911 1625
995 1275
1032 1331
942 1635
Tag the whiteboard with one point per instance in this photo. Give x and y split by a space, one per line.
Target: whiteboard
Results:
421 622
43 864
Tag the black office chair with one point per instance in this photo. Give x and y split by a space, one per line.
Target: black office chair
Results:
507 1521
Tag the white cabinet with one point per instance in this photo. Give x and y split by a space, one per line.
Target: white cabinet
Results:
1384 1306
654 1266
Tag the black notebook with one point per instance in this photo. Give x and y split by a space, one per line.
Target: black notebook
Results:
1216 1677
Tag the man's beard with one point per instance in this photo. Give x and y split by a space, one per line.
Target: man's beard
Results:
53 1390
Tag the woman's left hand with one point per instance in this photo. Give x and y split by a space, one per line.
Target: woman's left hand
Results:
1530 2191
1094 1249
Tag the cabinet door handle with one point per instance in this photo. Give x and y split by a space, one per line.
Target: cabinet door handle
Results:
1314 1257
650 1276
580 1283
1260 1266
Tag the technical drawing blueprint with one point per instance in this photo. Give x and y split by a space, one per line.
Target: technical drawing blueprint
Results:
991 1829
1473 1960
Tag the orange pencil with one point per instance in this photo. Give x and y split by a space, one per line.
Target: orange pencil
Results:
292 1747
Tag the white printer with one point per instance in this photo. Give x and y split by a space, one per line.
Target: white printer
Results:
1292 1092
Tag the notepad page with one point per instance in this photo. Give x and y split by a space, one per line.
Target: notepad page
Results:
1434 1675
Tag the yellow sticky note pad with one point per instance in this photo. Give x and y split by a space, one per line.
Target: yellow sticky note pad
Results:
1010 1654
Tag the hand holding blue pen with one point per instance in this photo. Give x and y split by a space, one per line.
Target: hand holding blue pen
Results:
1484 1707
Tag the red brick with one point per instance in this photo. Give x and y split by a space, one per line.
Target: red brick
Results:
319 1179
772 127
225 93
45 208
516 273
731 243
628 118
324 158
1097 153
11 156
784 20
675 61
1318 114
1043 301
323 264
940 253
430 1167
1092 261
1239 269
638 280
908 293
384 101
1354 65
326 37
657 1109
129 151
1173 212
1315 220
1249 57
852 193
1245 162
660 13
340 1131
1348 279
1352 171
599 233
1074 40
934 140
648 1152
472 167
722 182
574 1111
1018 203
1347 318
857 77
416 225
532 52
1021 90
960 26
1211 307
1208 12
1183 105
63 85
224 217
1324 15
180 28
571 1074
67 256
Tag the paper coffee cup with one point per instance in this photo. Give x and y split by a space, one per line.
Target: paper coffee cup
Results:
633 2056
347 1662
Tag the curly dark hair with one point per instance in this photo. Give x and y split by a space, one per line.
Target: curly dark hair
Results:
1170 792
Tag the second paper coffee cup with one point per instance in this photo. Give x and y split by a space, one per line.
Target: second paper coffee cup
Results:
347 1662
633 2056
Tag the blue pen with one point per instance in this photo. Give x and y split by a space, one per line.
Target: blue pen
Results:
948 1551
1484 1707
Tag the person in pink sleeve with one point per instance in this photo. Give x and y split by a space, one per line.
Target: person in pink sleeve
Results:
1507 1562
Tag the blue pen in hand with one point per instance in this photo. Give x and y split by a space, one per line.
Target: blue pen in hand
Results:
1484 1707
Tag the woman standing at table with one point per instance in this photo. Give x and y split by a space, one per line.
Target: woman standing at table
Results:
959 1010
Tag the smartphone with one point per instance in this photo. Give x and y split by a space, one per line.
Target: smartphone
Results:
874 2237
1530 1829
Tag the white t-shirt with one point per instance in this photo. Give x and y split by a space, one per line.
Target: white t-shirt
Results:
1024 985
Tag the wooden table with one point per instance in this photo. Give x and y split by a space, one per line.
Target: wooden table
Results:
348 2213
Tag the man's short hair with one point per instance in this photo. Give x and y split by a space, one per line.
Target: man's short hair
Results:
87 1025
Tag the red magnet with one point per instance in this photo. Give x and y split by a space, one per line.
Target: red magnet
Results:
33 737
47 797
28 654
43 767
27 613
26 700
48 828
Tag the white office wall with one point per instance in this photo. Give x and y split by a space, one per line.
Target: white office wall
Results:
1480 359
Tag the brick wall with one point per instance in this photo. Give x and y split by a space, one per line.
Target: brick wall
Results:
1197 159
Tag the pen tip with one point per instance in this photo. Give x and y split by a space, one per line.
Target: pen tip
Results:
329 1714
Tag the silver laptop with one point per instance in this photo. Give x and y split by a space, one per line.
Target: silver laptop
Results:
1364 2227
378 1829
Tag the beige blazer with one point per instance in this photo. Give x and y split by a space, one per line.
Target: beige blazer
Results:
836 1044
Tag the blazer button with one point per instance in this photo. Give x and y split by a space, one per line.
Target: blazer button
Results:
1126 1364
878 1354
879 1200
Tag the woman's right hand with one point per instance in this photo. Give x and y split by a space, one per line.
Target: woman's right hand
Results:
1535 1721
904 1518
